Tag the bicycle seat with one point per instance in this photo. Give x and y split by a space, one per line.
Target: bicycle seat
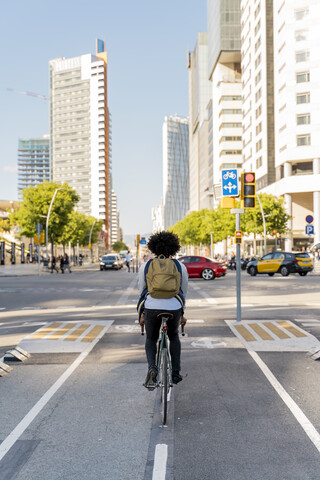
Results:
168 315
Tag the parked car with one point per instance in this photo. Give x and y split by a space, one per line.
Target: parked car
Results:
281 262
202 267
111 261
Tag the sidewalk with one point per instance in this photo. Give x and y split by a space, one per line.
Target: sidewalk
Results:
33 269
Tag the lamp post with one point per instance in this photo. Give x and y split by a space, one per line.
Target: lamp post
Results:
211 246
90 240
264 227
48 216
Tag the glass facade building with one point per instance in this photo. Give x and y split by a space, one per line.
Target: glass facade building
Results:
175 135
33 163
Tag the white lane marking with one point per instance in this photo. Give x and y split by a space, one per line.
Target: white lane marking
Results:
311 324
207 343
124 297
160 462
305 423
36 409
195 321
2 308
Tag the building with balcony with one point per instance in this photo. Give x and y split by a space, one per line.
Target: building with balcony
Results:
80 149
281 91
33 163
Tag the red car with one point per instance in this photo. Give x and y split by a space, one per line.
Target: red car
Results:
203 267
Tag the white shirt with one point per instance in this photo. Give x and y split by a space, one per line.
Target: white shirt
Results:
163 303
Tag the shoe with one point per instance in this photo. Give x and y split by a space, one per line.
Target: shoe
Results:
176 378
151 379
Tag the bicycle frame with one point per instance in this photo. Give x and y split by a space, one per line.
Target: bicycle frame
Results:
164 344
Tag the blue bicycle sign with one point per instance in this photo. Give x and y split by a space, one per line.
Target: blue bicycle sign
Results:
230 185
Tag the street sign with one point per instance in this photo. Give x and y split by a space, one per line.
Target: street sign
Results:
309 218
143 241
309 230
230 185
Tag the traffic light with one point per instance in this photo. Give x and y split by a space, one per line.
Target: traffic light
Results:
248 190
238 237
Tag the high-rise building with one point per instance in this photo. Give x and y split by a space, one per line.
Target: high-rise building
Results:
79 131
157 219
224 110
199 95
175 138
115 219
280 63
33 162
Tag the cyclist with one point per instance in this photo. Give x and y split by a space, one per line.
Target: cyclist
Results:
166 244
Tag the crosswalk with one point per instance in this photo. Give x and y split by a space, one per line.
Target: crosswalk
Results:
273 335
64 337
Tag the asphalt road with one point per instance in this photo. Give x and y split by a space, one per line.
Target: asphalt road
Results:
248 407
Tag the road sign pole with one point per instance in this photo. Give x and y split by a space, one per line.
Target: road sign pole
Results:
237 212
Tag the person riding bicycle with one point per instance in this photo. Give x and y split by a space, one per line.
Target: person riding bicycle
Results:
162 244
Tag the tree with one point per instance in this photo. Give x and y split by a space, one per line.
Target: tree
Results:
5 225
35 207
77 229
276 218
118 246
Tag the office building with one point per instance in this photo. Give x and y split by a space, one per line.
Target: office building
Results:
175 138
281 91
199 95
79 129
33 163
224 109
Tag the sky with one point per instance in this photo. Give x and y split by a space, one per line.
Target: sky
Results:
147 44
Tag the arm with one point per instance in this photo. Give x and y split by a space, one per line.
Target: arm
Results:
141 280
184 280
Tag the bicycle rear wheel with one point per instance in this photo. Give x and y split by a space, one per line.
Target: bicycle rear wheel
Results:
164 385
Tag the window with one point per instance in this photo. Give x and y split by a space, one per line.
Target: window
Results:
303 77
258 60
303 140
301 35
259 162
303 119
258 78
301 14
258 94
303 98
259 145
258 128
258 111
302 56
228 98
302 168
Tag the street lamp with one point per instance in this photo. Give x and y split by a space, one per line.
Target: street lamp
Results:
211 246
48 216
90 240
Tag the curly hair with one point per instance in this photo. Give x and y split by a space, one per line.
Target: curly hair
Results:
164 243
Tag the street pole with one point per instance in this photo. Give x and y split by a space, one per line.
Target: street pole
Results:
264 227
47 222
90 240
211 246
237 212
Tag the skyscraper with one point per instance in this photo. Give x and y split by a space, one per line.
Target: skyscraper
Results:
79 131
280 63
175 138
33 162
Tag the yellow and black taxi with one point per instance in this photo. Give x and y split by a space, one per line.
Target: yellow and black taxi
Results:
281 262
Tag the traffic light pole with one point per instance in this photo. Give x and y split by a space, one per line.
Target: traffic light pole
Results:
237 212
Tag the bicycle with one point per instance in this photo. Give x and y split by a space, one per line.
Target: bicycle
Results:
163 363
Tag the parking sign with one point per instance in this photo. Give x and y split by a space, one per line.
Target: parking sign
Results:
230 184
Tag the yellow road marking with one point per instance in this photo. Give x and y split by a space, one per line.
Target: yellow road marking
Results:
77 332
291 329
59 333
92 334
47 330
261 331
245 333
277 331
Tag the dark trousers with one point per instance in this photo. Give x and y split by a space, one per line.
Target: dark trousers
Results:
152 326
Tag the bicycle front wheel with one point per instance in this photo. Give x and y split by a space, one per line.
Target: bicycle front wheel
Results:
164 385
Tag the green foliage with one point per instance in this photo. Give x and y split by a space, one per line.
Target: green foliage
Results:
275 216
5 225
77 229
35 207
118 246
196 227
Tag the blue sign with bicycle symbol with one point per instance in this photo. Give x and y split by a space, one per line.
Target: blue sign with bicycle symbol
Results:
230 184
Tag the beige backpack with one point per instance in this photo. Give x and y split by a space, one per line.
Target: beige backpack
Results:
163 278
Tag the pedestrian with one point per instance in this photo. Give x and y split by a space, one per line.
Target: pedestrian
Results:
61 264
160 292
66 262
128 260
53 264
